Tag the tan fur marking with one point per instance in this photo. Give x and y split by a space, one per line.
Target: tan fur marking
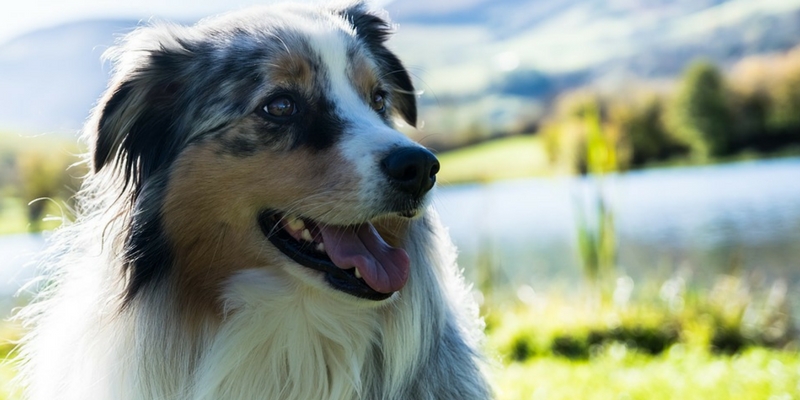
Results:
292 70
213 200
361 72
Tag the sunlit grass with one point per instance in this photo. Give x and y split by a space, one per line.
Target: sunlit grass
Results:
515 157
680 373
652 346
9 333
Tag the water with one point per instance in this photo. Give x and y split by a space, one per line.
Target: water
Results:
739 218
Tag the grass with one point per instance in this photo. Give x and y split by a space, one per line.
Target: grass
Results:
680 373
704 346
507 158
9 333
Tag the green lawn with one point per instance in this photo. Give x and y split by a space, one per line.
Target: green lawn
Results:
508 158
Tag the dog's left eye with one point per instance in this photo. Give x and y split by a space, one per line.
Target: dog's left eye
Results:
280 107
379 102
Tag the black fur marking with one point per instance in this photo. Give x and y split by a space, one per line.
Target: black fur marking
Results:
147 250
151 141
104 145
322 127
403 93
374 31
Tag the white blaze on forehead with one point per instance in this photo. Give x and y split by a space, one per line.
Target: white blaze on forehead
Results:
332 47
366 138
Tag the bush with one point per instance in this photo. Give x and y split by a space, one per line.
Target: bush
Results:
522 348
570 347
728 340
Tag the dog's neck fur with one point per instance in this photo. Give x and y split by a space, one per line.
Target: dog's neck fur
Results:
288 345
281 341
275 343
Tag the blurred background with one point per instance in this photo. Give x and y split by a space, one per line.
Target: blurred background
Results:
622 178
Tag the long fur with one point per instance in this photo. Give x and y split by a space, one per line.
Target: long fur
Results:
123 312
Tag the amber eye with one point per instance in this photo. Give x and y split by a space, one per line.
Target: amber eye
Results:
379 102
282 106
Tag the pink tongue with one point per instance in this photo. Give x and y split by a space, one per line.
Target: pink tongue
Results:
383 267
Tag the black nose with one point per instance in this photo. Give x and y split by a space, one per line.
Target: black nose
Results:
411 169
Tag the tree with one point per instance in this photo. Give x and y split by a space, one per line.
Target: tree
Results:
642 127
701 114
784 118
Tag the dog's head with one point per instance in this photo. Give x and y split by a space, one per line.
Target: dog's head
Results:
264 139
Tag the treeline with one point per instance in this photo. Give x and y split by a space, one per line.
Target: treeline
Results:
708 114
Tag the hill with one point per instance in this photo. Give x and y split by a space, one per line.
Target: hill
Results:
482 63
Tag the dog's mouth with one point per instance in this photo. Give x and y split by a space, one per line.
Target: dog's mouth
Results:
355 258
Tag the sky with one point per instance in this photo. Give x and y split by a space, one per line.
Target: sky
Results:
22 16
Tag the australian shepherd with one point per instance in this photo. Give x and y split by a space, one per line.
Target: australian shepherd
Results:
254 227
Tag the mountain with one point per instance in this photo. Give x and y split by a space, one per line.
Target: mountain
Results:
589 38
478 61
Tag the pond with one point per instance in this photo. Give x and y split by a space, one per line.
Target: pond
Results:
741 218
696 222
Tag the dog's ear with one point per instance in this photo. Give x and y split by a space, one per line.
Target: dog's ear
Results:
374 29
134 129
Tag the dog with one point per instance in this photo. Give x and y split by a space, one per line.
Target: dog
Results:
254 226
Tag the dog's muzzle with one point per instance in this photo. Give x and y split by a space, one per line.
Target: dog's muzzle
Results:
354 258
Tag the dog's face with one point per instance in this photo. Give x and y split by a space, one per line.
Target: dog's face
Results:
263 139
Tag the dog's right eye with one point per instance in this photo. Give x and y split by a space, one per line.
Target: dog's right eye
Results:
280 107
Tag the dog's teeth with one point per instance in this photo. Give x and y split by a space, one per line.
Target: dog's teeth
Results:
320 247
358 273
306 235
295 224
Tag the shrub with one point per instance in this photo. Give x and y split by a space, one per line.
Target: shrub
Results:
650 340
570 347
728 340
